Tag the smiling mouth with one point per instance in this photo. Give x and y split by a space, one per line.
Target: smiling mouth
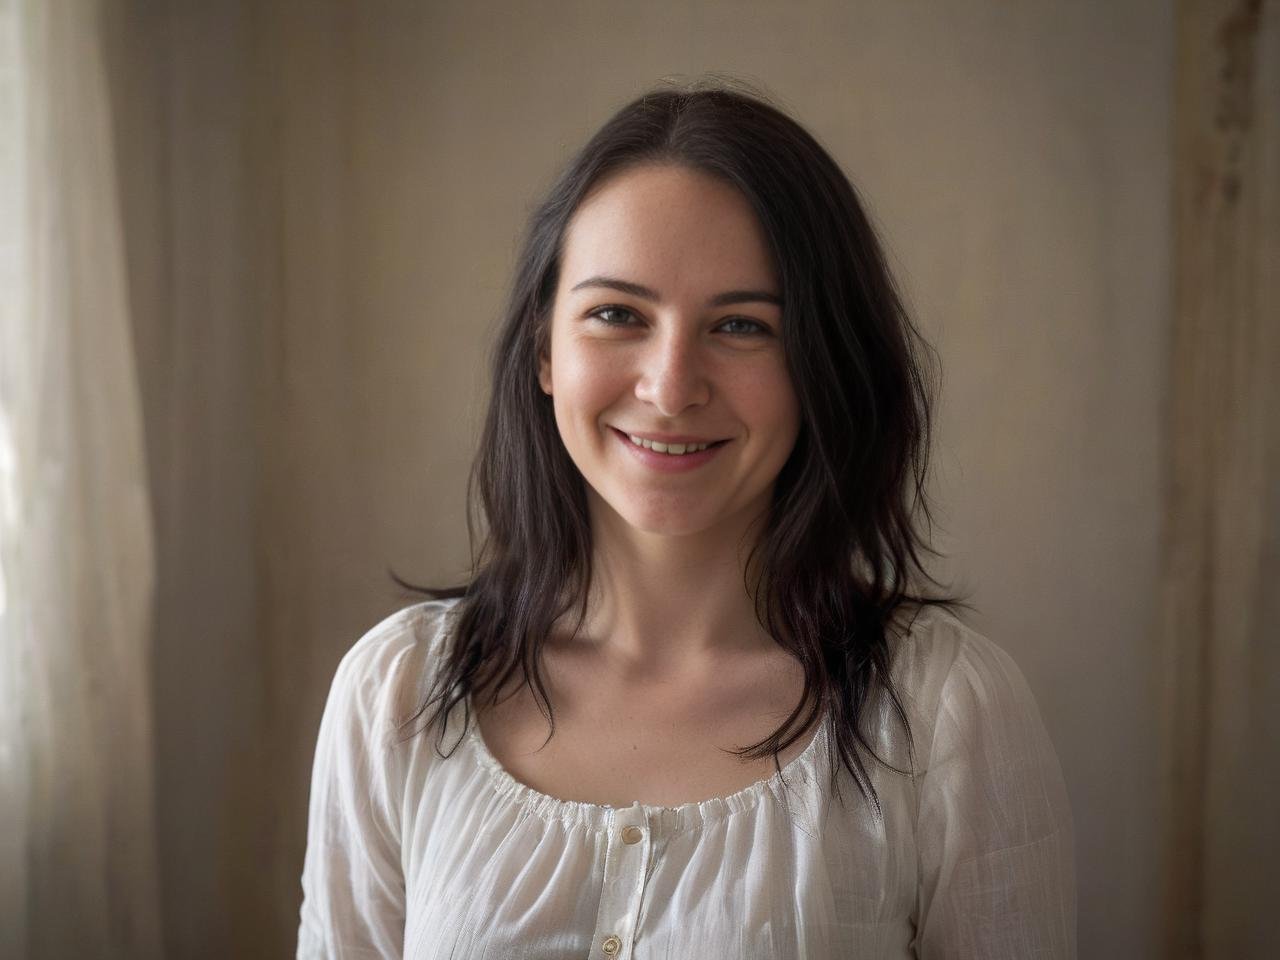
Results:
671 449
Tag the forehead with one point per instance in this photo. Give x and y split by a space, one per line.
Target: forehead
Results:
669 227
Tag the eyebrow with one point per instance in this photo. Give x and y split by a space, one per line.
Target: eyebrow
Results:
638 290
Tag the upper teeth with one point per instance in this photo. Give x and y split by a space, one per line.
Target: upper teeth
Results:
676 448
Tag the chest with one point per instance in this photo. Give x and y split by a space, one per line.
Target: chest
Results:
662 743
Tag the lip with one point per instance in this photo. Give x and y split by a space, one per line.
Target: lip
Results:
665 462
670 437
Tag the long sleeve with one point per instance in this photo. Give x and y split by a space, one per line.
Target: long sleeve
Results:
353 881
994 829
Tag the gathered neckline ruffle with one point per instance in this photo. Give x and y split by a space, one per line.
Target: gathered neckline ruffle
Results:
800 770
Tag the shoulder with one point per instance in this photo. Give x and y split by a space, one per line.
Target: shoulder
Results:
991 814
383 674
957 683
931 644
419 629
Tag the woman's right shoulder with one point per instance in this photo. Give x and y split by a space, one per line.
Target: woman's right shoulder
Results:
393 662
425 624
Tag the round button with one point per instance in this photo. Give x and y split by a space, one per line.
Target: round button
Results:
611 945
631 834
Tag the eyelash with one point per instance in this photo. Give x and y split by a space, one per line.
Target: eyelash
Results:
761 329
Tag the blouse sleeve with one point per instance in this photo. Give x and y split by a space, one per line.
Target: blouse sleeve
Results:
994 830
352 880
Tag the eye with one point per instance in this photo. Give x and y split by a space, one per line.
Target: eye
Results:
612 315
754 327
601 314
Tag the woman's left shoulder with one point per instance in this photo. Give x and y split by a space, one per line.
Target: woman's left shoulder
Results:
943 665
992 817
929 640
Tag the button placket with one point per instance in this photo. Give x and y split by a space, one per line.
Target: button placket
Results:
625 868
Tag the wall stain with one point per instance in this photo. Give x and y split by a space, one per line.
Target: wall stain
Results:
1236 44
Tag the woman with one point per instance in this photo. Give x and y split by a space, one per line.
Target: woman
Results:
691 620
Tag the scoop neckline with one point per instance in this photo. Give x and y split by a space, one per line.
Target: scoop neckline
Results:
799 769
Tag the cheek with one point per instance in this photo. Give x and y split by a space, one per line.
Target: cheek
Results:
772 401
584 380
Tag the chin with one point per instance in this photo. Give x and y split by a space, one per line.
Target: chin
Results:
660 515
668 529
667 523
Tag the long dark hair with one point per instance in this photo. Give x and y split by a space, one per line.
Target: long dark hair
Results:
840 545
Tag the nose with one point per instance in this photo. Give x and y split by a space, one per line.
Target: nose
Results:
672 376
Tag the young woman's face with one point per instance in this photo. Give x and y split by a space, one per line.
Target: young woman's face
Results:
667 324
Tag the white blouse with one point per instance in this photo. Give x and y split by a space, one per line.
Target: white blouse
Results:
410 855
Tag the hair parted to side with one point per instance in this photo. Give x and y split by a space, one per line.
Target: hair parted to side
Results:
840 547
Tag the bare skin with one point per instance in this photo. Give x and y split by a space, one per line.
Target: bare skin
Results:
660 741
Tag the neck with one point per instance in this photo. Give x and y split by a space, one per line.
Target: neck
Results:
668 605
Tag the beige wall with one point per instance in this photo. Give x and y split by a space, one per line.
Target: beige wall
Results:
323 201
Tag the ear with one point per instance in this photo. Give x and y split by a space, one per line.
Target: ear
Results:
544 373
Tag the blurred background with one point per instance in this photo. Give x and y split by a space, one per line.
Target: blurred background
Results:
251 257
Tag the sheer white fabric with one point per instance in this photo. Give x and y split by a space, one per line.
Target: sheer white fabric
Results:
78 874
412 855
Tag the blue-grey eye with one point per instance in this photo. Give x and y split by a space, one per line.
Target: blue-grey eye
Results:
754 326
601 315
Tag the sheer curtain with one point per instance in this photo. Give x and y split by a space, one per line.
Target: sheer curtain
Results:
77 848
1220 658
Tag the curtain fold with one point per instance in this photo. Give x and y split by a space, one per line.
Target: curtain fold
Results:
1219 659
77 836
